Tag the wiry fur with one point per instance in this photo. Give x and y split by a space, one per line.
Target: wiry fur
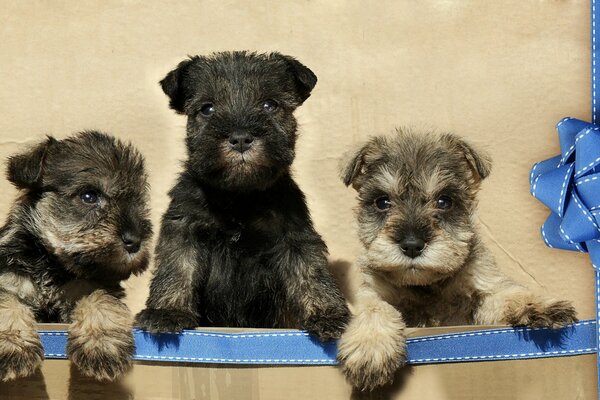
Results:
237 245
453 281
100 336
20 347
55 250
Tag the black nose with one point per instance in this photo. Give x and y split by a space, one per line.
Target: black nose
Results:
412 246
241 141
131 242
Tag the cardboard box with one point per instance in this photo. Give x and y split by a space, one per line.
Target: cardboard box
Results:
499 73
555 378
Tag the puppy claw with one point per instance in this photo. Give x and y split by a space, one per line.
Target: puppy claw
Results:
21 354
163 321
541 314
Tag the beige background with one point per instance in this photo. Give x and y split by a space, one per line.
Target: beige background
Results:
499 73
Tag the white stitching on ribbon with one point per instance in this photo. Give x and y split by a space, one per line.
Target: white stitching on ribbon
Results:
492 332
221 335
587 167
586 214
496 356
586 180
545 238
282 361
562 190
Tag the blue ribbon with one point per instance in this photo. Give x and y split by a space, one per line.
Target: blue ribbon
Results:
595 15
299 348
260 348
504 344
569 185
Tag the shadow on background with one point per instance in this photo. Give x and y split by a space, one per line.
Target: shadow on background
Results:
342 273
33 387
387 392
84 388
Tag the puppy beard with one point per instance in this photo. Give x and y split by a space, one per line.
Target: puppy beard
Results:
247 171
442 257
93 253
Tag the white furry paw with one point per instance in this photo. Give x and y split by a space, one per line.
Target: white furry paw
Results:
372 349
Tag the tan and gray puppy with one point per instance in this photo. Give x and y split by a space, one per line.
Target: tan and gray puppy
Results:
78 228
424 263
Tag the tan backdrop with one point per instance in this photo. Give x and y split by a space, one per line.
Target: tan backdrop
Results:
499 73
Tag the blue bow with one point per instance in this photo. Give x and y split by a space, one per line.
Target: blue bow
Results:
569 185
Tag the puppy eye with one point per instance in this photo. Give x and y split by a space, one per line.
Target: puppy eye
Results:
89 197
444 203
270 105
383 203
207 109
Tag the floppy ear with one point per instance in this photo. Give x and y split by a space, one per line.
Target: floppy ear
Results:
304 79
174 86
25 170
353 165
479 162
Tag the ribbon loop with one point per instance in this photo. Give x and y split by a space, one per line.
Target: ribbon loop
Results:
550 186
568 128
587 155
569 185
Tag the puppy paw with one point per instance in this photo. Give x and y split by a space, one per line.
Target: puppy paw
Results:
371 351
162 320
100 341
105 357
21 354
328 325
540 313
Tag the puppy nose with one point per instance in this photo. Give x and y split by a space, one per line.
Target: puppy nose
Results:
131 241
412 246
241 141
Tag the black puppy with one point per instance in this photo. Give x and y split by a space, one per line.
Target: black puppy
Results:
237 245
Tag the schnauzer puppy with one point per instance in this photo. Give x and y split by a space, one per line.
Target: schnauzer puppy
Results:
424 263
78 228
237 245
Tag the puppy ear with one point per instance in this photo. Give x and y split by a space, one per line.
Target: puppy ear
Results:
479 162
25 170
353 165
173 86
304 78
